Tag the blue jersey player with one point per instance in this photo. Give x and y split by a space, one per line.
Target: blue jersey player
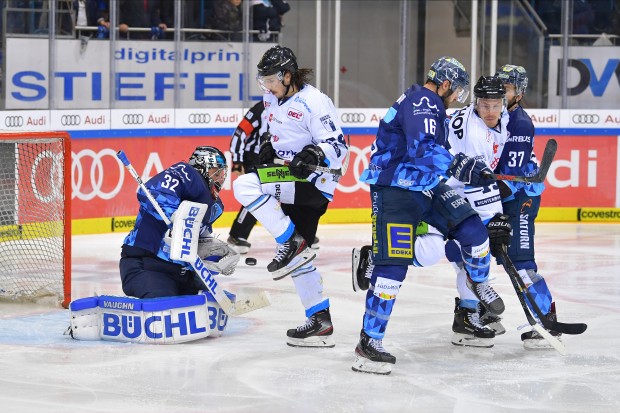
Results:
146 268
407 164
521 200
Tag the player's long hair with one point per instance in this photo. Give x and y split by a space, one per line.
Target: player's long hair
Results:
301 77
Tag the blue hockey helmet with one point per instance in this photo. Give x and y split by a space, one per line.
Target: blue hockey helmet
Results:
210 162
448 68
513 75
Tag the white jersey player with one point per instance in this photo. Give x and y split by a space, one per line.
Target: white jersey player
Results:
478 130
289 200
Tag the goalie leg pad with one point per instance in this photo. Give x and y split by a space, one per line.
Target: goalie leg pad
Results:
167 320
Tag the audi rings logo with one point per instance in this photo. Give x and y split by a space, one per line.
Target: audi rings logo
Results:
14 121
70 120
88 184
133 119
199 118
586 118
353 117
358 161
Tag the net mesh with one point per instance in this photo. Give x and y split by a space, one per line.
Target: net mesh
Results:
32 214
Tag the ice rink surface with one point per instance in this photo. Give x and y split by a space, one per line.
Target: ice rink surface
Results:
251 369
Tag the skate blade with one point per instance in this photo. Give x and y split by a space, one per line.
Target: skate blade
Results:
467 340
355 260
538 344
240 249
314 341
497 327
300 260
364 365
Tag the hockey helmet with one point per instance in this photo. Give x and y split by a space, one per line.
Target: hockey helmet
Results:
489 87
514 75
277 59
210 162
448 68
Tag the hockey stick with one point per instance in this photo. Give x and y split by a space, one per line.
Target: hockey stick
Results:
323 169
313 168
545 164
523 292
233 308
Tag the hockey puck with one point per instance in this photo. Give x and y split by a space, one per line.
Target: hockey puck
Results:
250 261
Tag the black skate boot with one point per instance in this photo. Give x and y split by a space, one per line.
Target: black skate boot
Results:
532 340
371 357
316 332
487 295
290 255
492 321
315 244
468 330
361 268
241 245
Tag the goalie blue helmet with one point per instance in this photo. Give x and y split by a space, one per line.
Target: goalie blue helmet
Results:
448 68
513 75
211 163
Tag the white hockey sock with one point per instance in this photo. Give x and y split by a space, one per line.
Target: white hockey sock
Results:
309 285
265 208
461 284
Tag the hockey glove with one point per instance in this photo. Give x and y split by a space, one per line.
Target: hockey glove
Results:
310 155
470 171
237 167
266 153
500 232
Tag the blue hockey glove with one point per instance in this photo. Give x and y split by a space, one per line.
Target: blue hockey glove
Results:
500 232
309 155
470 171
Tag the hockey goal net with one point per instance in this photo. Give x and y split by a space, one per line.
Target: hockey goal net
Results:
35 217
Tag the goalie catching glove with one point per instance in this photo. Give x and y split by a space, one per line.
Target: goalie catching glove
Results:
500 232
310 155
470 171
218 256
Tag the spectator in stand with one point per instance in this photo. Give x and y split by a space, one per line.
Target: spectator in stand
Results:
227 17
267 18
135 14
88 12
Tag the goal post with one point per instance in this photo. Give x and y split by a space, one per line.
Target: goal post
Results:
35 217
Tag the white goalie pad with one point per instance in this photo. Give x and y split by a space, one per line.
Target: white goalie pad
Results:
186 223
218 256
167 320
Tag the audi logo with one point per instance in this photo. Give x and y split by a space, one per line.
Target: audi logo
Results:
353 117
70 120
584 118
46 177
199 118
96 175
14 121
133 119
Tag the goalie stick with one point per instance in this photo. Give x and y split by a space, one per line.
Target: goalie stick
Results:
233 308
545 164
522 293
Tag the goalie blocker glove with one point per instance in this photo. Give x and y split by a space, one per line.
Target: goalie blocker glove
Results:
500 233
470 171
310 155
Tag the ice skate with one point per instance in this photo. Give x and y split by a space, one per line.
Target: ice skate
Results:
487 295
290 255
316 332
371 357
241 245
361 268
468 330
534 341
315 244
492 321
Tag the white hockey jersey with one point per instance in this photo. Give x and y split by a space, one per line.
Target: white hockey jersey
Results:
307 118
467 133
